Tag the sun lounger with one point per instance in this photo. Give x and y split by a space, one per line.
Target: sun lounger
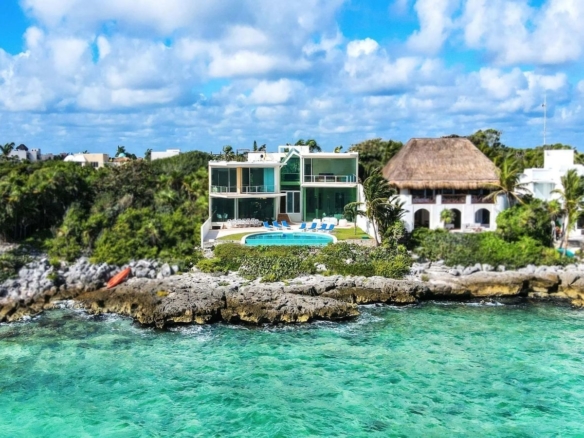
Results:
330 228
285 225
268 226
312 227
302 227
321 228
277 225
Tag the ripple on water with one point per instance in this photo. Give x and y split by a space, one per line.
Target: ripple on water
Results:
426 370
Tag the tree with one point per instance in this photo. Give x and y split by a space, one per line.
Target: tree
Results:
338 149
508 185
121 150
311 143
6 150
148 154
374 154
377 194
447 216
351 213
228 153
572 199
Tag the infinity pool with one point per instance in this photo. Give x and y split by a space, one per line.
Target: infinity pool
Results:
288 239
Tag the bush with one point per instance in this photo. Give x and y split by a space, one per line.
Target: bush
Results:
397 267
211 265
484 248
10 264
274 268
526 220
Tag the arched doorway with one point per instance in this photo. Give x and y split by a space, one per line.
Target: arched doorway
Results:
422 218
457 218
483 217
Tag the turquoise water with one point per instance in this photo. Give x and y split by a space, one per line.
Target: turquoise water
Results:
434 370
287 239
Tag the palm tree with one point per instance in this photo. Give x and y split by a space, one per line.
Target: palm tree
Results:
447 216
313 145
508 185
121 150
572 198
338 149
377 194
6 149
228 154
351 212
555 210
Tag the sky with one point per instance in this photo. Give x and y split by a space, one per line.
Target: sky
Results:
150 74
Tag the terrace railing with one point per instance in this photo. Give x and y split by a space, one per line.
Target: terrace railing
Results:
330 178
422 200
223 189
258 189
453 199
475 199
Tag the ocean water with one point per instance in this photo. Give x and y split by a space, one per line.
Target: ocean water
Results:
431 370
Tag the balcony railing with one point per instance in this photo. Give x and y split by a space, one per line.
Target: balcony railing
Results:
453 199
258 189
322 178
420 200
481 200
223 189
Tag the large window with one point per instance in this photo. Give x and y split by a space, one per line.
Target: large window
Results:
223 180
330 170
290 203
222 209
257 180
327 202
256 208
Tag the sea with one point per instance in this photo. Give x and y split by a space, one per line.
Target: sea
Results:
434 370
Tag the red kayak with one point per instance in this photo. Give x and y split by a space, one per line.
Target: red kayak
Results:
119 278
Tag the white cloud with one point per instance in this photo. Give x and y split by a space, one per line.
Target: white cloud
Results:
362 47
435 25
274 93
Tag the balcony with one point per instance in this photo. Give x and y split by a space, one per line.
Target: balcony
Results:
453 199
422 200
258 189
223 189
330 178
481 200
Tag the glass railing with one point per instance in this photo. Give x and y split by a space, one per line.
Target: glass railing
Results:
258 189
330 178
223 189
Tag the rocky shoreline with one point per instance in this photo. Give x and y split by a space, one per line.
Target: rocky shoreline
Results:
157 296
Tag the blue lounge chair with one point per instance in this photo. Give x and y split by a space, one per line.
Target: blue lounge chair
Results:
312 227
285 225
277 225
302 227
268 226
321 228
330 228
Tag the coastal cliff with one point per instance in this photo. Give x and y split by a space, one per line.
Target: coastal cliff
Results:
157 297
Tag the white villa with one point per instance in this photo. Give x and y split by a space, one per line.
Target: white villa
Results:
542 181
158 155
433 174
293 184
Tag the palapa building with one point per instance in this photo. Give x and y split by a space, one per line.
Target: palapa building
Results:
433 174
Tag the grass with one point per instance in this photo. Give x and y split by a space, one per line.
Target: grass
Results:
339 233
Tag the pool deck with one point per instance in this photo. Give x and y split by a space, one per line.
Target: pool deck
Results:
213 235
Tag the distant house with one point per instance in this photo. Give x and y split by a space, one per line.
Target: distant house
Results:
23 154
166 154
433 174
542 181
93 160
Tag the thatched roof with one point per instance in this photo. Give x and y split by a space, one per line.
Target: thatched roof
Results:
440 163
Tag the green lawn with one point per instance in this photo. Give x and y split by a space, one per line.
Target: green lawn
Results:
339 233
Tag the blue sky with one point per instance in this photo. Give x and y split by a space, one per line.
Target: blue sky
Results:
78 75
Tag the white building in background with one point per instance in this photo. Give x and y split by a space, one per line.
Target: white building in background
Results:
542 181
166 154
24 154
94 160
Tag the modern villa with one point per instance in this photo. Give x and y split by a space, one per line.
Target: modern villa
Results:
433 174
295 182
542 181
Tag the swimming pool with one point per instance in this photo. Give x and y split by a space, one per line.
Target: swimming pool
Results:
288 239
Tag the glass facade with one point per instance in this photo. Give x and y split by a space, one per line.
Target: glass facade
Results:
256 208
223 180
257 180
327 201
330 170
290 174
222 209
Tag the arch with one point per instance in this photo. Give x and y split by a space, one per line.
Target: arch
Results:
457 218
483 217
422 218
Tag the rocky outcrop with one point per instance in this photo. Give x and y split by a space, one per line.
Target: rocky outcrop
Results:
184 300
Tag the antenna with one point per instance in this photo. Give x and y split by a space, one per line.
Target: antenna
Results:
544 116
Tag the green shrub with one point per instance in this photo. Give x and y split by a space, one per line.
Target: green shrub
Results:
397 267
211 265
526 220
276 268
